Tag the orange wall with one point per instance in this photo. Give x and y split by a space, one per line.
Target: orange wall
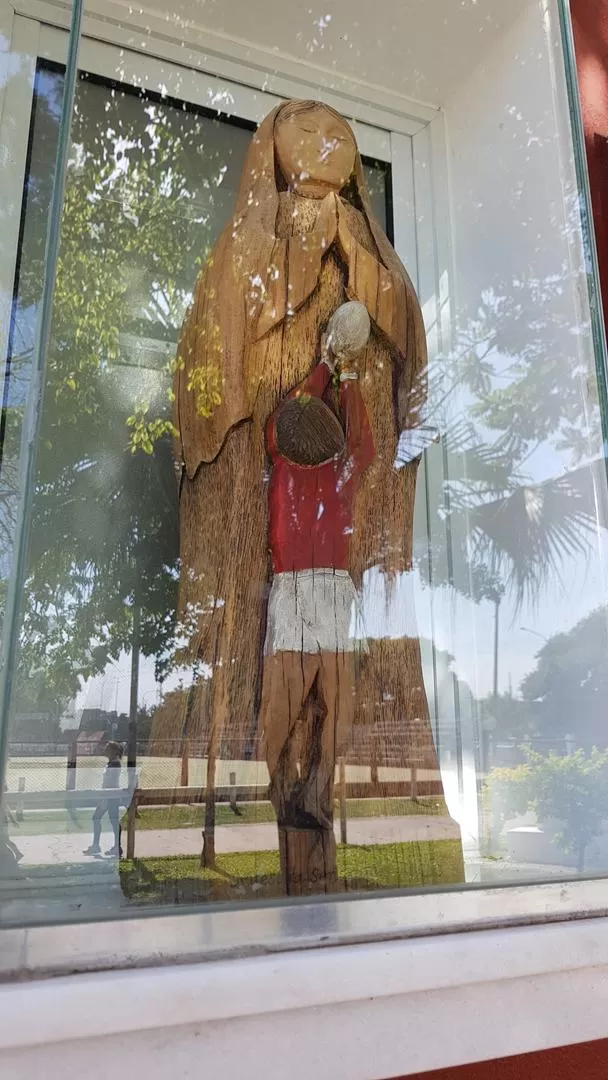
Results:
585 1061
590 23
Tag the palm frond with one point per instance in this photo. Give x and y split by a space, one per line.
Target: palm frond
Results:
526 536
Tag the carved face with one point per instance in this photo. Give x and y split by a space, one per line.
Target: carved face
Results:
315 150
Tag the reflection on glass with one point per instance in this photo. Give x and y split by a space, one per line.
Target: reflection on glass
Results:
481 620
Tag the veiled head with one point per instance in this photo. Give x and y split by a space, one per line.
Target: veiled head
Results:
315 148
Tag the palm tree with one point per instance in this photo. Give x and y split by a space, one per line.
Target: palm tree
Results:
504 402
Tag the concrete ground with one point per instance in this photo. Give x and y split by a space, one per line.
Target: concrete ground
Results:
60 848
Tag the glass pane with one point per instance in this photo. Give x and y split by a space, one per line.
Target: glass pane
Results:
325 584
29 224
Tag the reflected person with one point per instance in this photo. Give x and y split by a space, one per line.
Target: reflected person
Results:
110 805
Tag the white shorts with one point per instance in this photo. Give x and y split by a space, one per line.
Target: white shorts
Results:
312 611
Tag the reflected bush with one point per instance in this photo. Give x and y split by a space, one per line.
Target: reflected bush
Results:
571 790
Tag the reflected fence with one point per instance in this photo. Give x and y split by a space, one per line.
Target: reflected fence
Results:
512 752
377 763
370 769
50 783
52 788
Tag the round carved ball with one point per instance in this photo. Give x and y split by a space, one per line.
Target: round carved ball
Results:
348 330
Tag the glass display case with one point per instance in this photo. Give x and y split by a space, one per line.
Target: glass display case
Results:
236 675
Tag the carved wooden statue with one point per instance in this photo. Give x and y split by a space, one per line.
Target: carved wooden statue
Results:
302 242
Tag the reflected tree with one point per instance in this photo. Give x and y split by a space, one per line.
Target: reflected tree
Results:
102 566
568 689
514 409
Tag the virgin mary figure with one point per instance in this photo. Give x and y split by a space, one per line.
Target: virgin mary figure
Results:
303 240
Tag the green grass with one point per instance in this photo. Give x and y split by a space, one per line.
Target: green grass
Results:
184 817
44 822
255 875
181 817
367 808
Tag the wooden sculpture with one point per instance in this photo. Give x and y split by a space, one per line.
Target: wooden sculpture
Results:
303 241
308 683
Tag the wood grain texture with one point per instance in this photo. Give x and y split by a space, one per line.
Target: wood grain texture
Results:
261 304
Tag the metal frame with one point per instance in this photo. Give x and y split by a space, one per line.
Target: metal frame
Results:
185 43
194 86
16 101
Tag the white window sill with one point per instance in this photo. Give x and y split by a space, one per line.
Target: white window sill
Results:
343 1013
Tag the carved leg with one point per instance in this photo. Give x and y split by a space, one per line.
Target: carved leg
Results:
329 730
300 705
286 683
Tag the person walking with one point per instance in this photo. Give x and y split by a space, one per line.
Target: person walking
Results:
110 805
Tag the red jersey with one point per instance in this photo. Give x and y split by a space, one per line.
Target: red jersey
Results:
310 507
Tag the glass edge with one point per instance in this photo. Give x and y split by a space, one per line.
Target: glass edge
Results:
31 421
203 936
598 329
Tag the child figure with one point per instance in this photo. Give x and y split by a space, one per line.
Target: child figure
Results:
308 675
